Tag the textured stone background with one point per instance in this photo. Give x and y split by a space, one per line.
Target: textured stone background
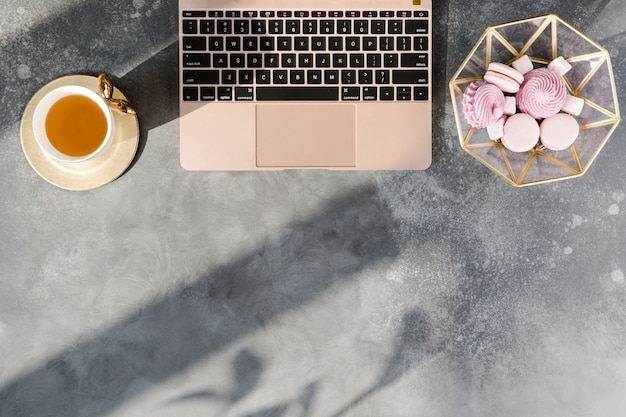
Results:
301 293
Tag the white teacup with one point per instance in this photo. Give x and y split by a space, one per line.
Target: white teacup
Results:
73 124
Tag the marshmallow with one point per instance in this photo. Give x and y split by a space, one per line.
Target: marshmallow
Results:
560 66
510 105
573 105
523 64
496 130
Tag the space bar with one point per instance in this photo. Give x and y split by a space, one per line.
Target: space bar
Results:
297 93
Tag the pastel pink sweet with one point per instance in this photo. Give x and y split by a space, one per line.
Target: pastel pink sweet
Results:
573 105
483 104
506 78
510 105
521 133
523 64
542 94
496 130
560 66
559 132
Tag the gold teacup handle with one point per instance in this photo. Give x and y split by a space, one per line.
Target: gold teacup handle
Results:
105 85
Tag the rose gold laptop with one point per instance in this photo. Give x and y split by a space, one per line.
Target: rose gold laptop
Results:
289 84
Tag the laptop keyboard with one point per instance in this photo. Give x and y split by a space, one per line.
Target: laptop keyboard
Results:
259 55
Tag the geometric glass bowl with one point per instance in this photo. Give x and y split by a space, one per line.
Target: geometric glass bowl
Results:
543 39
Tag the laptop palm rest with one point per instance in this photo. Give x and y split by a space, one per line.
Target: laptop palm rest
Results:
305 135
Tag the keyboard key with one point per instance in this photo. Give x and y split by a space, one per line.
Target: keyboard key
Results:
250 13
303 93
394 27
229 77
351 93
220 60
314 76
378 27
410 77
383 76
216 43
344 27
340 60
403 93
391 60
361 27
370 93
246 77
318 43
414 60
207 93
296 76
310 27
318 14
225 93
263 76
322 60
305 60
420 43
335 14
250 43
374 60
387 93
284 43
190 27
301 13
403 43
194 13
194 43
387 14
267 14
224 27
404 13
370 14
237 60
201 77
370 43
327 27
233 13
233 44
242 27
357 60
386 43
272 60
276 27
353 14
289 60
196 60
255 60
353 43
190 94
207 27
348 76
420 93
244 93
216 13
301 43
267 43
416 27
280 77
331 77
420 13
292 27
284 14
365 77
335 43
258 27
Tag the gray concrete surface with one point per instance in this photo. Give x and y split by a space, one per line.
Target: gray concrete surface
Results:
302 293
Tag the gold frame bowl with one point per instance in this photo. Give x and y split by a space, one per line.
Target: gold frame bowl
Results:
543 39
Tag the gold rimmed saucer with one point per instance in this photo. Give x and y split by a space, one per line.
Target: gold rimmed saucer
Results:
96 172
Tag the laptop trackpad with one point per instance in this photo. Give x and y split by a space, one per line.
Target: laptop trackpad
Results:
305 135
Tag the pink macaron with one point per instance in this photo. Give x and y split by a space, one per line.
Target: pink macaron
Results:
521 133
506 78
559 132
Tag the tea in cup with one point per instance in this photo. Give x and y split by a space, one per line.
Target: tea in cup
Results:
73 124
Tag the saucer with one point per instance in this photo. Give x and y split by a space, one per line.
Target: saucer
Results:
93 173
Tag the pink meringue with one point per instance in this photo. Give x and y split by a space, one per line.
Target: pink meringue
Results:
483 104
542 94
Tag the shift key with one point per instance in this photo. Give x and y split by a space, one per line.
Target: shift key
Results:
201 77
410 76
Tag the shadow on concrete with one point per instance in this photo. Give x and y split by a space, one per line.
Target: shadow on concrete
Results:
98 376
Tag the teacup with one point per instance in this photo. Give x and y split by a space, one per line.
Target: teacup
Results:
73 124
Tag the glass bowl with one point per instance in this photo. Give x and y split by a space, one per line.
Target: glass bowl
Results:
543 39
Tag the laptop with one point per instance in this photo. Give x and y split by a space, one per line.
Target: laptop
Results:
305 84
